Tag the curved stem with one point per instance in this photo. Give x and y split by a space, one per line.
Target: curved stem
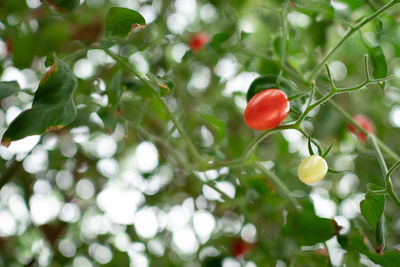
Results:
350 33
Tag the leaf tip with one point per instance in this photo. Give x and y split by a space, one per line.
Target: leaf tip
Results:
6 142
52 69
379 250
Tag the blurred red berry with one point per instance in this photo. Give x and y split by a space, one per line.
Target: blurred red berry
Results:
241 248
365 123
198 40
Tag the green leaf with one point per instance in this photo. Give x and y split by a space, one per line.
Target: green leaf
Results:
52 107
379 64
217 124
122 21
307 227
63 5
267 82
219 39
165 87
113 91
8 88
372 206
327 151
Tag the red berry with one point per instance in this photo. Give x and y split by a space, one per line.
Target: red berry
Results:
241 248
267 109
365 123
198 40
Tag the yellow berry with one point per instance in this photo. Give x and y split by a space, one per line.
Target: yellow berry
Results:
312 169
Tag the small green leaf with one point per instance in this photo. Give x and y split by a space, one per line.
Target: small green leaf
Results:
219 39
8 88
337 172
52 106
372 206
63 5
327 151
122 21
113 91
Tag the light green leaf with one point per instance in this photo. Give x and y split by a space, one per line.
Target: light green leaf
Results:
52 106
8 88
121 21
372 206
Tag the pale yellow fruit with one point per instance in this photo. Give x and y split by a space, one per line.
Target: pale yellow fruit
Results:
312 169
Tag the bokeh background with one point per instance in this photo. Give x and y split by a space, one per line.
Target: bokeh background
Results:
105 190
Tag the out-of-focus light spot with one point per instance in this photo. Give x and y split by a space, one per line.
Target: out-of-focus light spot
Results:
208 13
108 167
339 5
12 113
347 184
94 3
37 161
344 162
186 7
80 134
67 248
64 179
177 218
201 78
156 247
185 241
96 56
227 188
338 70
344 223
249 233
85 189
394 116
206 137
50 141
146 156
226 67
44 208
8 225
94 224
239 83
105 146
100 253
149 13
24 145
240 102
13 74
140 63
298 19
33 3
122 241
230 262
70 213
204 224
324 207
119 203
146 223
83 69
81 261
178 51
210 193
246 26
177 23
350 207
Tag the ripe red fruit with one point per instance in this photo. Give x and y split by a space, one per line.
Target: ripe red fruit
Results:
267 109
365 123
241 248
198 40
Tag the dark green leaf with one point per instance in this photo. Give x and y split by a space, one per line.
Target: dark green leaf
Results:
372 206
121 21
63 5
52 106
114 89
8 88
267 82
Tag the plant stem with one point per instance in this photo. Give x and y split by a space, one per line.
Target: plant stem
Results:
382 163
276 180
350 33
284 32
175 121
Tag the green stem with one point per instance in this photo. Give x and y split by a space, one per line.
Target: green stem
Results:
284 32
175 121
282 186
350 33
